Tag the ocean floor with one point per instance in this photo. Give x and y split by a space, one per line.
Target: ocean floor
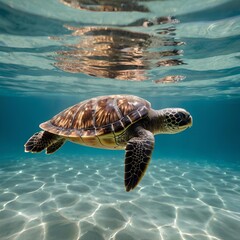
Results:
82 198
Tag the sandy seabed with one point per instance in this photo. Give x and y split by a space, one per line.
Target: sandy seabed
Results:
84 198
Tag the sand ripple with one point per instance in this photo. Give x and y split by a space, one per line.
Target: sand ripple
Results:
84 199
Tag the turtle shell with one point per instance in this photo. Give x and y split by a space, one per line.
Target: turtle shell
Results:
98 116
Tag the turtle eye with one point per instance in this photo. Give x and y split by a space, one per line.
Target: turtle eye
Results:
185 119
180 115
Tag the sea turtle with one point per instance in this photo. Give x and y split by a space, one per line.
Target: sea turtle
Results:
112 122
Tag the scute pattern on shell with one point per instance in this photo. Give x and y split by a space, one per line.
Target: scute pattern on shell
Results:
98 116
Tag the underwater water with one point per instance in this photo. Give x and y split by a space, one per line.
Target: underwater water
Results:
54 54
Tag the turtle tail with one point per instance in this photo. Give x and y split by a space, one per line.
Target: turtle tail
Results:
44 140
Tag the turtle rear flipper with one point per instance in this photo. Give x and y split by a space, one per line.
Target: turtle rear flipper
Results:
41 140
55 146
138 154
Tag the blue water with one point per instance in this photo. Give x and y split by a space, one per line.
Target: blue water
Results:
54 54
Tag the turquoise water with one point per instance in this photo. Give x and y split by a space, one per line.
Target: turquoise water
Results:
184 54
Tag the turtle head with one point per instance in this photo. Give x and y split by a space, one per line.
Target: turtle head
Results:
175 120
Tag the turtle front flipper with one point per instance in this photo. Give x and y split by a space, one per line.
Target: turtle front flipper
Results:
43 140
138 154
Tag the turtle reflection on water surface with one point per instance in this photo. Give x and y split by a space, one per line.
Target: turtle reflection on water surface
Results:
112 122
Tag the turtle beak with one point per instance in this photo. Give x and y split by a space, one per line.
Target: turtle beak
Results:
190 120
186 122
